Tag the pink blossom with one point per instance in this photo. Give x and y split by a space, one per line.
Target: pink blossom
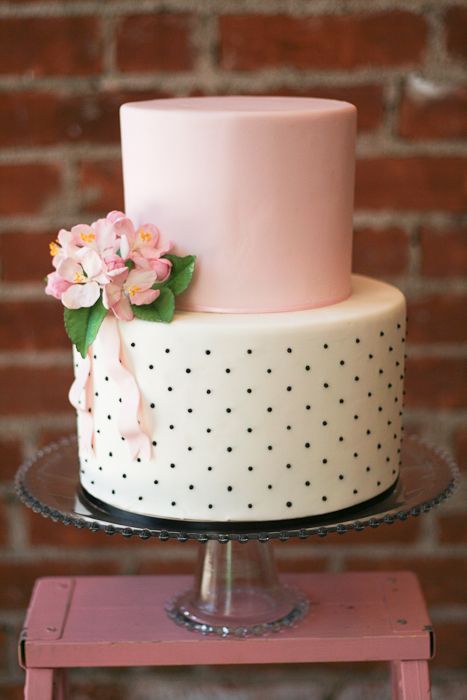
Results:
115 216
85 275
56 285
140 246
128 288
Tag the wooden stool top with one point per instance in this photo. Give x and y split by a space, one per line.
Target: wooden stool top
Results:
121 621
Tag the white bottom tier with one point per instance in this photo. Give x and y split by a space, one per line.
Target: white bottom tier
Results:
256 417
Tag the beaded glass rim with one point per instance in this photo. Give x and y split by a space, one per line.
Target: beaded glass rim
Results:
183 531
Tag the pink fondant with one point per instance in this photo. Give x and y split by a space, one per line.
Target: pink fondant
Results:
259 188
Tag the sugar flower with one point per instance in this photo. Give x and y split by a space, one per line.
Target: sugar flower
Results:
141 246
85 275
130 288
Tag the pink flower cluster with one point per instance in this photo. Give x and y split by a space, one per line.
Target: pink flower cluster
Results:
92 259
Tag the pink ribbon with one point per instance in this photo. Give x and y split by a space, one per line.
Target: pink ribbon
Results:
80 397
138 441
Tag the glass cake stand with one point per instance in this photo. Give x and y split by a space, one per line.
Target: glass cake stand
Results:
236 589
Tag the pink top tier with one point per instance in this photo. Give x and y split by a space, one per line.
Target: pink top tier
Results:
259 188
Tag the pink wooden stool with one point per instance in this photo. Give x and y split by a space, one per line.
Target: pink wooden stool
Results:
120 621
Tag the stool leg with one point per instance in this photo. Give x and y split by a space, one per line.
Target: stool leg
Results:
60 685
410 680
39 684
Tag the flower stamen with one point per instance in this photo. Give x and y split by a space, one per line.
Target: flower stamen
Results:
54 248
88 237
145 236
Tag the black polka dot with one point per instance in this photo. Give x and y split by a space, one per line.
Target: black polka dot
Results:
289 427
173 503
326 385
209 469
229 488
248 391
368 469
289 388
269 447
269 486
369 394
342 363
307 367
288 466
191 487
307 483
154 442
308 407
324 498
378 483
250 469
188 370
123 476
169 388
208 430
307 445
289 504
370 356
341 476
96 393
113 492
140 498
289 350
341 400
132 345
269 409
381 333
249 351
172 465
324 460
106 379
357 340
156 481
228 410
153 405
341 439
325 346
227 370
355 491
355 454
109 417
171 427
356 379
190 448
269 371
250 505
167 350
324 422
189 410
208 391
229 449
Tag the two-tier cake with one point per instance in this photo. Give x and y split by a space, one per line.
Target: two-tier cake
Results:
276 391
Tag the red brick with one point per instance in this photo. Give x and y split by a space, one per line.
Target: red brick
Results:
181 560
411 183
43 118
460 447
3 650
155 42
28 188
444 253
452 528
12 692
49 435
17 578
436 382
3 533
368 100
380 252
438 319
438 115
249 42
456 31
35 390
33 264
451 645
442 579
98 690
102 185
11 457
33 325
50 45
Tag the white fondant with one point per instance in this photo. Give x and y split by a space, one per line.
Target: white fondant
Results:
361 337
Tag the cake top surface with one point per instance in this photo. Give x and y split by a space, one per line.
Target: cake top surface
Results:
239 104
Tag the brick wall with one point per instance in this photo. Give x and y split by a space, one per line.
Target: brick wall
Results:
65 67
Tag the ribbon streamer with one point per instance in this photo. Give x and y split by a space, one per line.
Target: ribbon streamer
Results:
138 441
80 398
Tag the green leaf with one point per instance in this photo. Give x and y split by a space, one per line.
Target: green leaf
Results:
181 273
161 310
83 324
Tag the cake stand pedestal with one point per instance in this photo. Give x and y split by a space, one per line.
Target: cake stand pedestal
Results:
236 591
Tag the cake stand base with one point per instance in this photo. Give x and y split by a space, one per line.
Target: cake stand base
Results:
237 593
236 590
